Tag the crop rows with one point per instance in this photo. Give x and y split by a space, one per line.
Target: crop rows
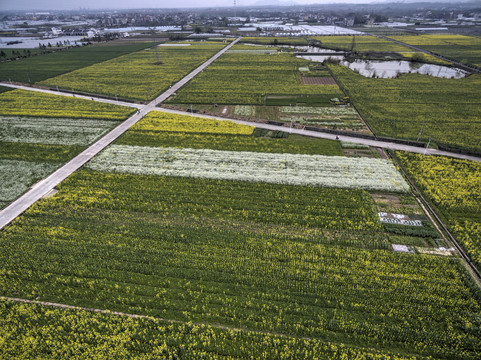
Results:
361 43
337 117
17 176
238 78
466 49
293 169
38 68
142 75
132 243
32 147
449 108
163 122
186 131
454 186
34 104
77 334
52 130
328 111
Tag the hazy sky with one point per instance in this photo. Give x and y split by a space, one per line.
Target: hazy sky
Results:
125 4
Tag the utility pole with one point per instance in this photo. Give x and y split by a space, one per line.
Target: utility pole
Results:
422 126
427 146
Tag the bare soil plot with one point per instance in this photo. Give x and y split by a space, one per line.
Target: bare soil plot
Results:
318 80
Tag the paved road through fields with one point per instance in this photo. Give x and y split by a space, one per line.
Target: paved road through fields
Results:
69 94
44 186
352 138
40 189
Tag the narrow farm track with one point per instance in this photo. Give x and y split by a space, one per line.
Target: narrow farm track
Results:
137 316
39 190
153 106
425 204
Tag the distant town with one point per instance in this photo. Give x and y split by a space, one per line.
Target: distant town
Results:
23 29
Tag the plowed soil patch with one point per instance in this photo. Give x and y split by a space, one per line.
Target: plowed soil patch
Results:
318 80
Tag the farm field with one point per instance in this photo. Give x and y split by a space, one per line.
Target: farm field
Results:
4 89
167 130
398 107
312 264
268 40
33 147
140 75
332 117
117 337
248 78
34 104
466 49
454 188
361 43
41 67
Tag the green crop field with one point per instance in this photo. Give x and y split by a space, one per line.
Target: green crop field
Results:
275 40
309 268
36 104
466 49
41 67
195 238
77 334
398 107
141 75
247 78
361 43
454 188
168 130
31 147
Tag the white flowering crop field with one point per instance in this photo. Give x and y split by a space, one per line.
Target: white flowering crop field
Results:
16 176
326 111
52 130
292 169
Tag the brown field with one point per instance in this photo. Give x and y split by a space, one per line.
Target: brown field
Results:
318 80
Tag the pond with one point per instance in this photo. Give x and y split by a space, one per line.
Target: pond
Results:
393 68
33 42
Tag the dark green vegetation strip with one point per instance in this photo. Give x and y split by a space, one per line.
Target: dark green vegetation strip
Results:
294 144
54 333
4 89
38 152
160 246
454 188
41 67
398 107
